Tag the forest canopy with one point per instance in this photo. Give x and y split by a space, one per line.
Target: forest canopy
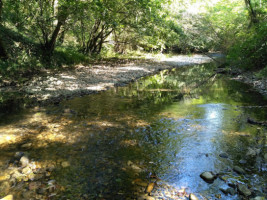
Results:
45 33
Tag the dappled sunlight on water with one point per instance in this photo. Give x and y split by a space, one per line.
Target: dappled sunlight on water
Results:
167 128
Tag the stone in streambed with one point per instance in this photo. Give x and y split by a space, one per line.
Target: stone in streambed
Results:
231 191
26 146
209 177
4 188
239 170
243 190
223 155
192 197
24 161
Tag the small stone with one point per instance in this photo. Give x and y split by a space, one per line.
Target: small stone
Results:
24 161
224 191
243 190
192 197
26 170
4 188
239 170
26 146
209 177
223 155
8 197
231 191
65 164
129 163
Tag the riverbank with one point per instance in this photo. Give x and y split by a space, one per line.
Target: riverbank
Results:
260 85
52 87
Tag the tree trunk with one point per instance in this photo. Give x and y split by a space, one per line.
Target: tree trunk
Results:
252 12
3 54
50 45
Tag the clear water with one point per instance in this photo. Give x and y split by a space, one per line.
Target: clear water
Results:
173 125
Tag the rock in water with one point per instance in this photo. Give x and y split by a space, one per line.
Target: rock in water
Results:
209 177
150 187
192 197
243 190
231 191
239 170
223 155
24 161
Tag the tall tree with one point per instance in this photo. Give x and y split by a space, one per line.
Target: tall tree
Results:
3 54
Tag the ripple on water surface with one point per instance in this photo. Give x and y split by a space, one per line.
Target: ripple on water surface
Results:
167 128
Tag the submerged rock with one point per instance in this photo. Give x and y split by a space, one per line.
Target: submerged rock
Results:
208 177
192 197
223 155
243 190
231 191
239 170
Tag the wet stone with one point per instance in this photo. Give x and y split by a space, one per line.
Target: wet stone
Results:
208 177
192 197
231 191
223 155
243 190
239 170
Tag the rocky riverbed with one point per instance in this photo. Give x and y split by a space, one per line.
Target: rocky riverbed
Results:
53 87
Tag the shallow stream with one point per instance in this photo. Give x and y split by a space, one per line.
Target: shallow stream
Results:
165 129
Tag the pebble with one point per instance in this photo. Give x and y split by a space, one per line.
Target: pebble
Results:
65 164
239 170
243 190
208 177
26 146
192 197
24 161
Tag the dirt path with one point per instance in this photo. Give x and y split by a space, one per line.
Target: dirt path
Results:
90 79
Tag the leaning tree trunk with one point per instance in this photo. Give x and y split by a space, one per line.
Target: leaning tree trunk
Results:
49 46
3 54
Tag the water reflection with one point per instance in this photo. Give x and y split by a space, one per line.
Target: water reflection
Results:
173 125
